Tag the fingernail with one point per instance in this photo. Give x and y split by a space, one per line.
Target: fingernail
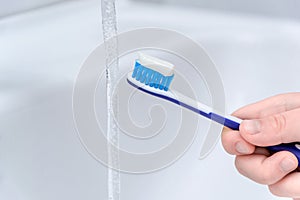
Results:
251 126
287 165
241 148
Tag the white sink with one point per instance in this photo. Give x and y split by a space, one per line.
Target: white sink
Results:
41 53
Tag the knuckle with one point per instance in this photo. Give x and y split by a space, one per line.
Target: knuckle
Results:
278 122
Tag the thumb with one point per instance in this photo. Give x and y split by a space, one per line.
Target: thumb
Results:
272 130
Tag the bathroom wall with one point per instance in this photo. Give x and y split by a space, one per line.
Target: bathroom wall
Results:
278 8
14 6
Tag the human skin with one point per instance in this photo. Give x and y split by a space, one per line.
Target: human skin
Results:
272 121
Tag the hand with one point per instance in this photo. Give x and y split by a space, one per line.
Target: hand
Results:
269 122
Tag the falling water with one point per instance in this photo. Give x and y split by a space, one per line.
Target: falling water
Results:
109 26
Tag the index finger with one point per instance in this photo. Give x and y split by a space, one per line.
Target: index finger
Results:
270 106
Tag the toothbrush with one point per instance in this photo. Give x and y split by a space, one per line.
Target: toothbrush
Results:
154 76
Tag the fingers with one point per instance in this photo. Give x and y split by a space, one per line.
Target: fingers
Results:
272 130
234 144
266 170
266 123
269 106
287 187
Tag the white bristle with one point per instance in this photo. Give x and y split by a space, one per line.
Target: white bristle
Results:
161 66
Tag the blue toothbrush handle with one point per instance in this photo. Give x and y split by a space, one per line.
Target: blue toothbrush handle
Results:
294 148
186 102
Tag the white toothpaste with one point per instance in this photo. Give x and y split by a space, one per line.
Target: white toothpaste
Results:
163 67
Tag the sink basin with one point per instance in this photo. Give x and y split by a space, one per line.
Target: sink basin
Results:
41 155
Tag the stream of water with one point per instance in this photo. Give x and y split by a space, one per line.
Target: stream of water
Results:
109 26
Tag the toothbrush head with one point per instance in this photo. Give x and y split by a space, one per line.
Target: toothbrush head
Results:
153 72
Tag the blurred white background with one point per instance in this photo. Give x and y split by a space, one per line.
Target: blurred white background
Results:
272 8
254 46
16 6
